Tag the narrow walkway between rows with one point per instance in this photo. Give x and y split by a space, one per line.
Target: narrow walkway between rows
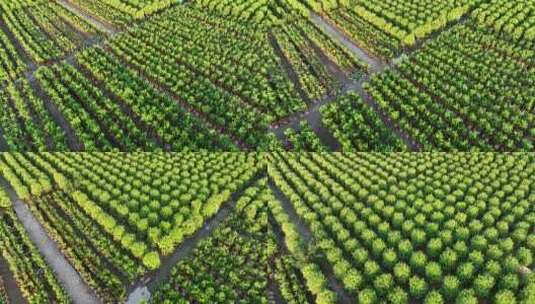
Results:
105 28
13 292
75 143
75 287
141 292
4 147
307 237
288 207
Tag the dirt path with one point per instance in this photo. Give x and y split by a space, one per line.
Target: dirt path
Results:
324 134
77 289
274 293
13 292
141 291
105 28
313 116
376 66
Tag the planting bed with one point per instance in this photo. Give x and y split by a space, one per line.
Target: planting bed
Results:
274 228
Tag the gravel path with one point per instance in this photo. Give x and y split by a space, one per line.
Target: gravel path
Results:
77 289
105 28
375 64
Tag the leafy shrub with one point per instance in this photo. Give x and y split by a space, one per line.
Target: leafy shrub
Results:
151 260
505 297
466 296
433 272
402 273
417 287
434 297
398 296
367 296
450 287
483 285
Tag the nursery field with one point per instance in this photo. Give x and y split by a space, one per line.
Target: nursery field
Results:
300 75
267 228
260 151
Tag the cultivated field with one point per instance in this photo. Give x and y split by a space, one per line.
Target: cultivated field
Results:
262 75
267 228
260 151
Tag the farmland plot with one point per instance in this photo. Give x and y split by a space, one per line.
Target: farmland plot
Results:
230 265
45 30
413 227
303 44
34 278
12 64
104 125
466 90
27 124
226 71
113 232
384 27
314 228
140 8
104 12
305 139
514 19
265 12
358 128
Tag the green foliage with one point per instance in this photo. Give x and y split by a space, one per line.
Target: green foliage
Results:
466 296
352 280
450 287
5 201
417 287
483 284
433 272
151 260
398 296
434 297
402 273
505 297
367 296
383 284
